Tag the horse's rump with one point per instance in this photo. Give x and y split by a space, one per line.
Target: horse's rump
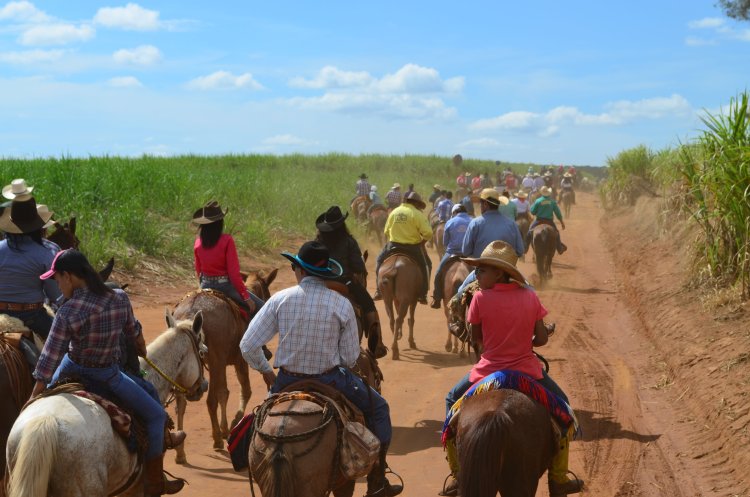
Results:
193 298
16 368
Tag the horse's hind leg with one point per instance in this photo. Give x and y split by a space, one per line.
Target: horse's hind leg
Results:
346 490
243 376
180 407
217 389
412 343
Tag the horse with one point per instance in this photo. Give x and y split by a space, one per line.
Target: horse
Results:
437 237
65 235
523 224
259 283
376 223
566 199
55 433
359 207
544 242
223 327
400 283
505 442
455 274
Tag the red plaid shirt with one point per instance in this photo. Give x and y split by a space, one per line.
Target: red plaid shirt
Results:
88 327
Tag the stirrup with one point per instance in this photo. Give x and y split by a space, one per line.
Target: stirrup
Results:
449 489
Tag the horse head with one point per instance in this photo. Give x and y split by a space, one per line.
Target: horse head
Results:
259 283
192 372
65 235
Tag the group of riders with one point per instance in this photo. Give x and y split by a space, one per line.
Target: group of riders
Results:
94 334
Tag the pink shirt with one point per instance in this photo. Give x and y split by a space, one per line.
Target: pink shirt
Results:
220 260
507 313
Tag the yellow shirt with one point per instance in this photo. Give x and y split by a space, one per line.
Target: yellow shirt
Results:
407 225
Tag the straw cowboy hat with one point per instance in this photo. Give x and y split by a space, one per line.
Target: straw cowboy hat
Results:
467 173
373 188
17 189
316 260
567 175
501 255
25 216
546 191
396 186
331 219
416 200
436 187
209 213
492 196
522 194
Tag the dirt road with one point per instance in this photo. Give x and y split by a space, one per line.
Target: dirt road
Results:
597 356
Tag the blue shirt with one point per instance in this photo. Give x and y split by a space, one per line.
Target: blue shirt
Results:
21 267
444 209
468 204
455 230
487 228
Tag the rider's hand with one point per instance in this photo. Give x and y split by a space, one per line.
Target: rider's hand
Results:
562 224
250 304
269 378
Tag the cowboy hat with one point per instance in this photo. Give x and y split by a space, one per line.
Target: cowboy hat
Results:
209 213
436 187
522 194
467 173
501 255
363 176
315 259
23 216
331 219
373 188
535 175
17 189
492 196
567 175
548 173
546 191
414 198
395 186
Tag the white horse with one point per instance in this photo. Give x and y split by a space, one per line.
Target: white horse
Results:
64 445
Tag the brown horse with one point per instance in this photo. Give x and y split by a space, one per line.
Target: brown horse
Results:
376 223
437 239
455 274
400 283
505 443
65 235
359 208
544 243
259 282
523 223
566 199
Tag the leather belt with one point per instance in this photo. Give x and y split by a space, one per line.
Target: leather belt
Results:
215 279
17 306
302 375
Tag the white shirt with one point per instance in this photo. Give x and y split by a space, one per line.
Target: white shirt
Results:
317 330
528 182
521 207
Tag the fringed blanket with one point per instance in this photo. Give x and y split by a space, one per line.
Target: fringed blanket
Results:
560 411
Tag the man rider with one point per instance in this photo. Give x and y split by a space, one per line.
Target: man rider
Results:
545 209
566 185
453 239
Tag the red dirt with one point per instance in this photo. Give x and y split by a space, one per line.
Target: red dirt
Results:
659 386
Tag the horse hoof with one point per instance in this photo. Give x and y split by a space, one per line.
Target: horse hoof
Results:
462 354
448 348
180 460
412 344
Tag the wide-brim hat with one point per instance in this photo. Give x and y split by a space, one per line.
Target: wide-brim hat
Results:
436 187
315 259
535 175
396 185
467 173
331 219
209 213
567 175
414 198
522 194
548 173
22 216
17 189
545 191
363 176
501 255
493 197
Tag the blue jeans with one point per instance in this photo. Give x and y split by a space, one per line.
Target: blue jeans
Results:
36 320
230 291
374 407
437 287
464 384
128 392
471 278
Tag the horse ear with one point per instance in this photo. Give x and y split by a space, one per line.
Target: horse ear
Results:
365 255
170 318
271 276
198 322
73 225
107 271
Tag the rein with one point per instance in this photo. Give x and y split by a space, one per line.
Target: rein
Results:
179 388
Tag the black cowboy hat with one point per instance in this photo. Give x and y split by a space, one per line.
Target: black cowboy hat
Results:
331 219
363 176
22 217
209 213
315 259
414 198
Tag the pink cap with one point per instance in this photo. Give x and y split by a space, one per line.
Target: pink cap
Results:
49 274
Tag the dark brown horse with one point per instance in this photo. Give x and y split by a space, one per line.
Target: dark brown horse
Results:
359 208
400 283
523 224
544 243
65 235
505 443
455 274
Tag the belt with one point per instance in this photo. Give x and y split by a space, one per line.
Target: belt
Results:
215 279
302 375
91 364
17 306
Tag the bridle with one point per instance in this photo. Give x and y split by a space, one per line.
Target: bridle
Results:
199 350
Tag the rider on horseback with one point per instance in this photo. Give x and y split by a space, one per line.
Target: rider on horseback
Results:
333 233
566 185
522 206
506 321
407 230
453 239
544 209
84 343
318 340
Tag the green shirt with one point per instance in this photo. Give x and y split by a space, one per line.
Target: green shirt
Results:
509 210
545 207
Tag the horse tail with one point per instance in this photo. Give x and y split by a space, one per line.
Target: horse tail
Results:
278 479
481 452
37 452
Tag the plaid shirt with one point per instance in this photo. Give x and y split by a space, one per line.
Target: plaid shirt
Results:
316 326
363 187
88 327
393 198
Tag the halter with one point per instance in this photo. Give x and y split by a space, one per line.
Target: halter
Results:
176 386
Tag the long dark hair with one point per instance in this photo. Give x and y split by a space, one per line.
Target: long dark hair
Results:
15 239
74 262
333 238
210 233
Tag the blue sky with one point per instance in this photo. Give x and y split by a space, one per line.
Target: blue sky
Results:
545 82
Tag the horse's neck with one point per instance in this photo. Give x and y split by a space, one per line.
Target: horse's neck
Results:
167 355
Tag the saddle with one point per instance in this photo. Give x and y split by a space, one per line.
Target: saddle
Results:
457 311
542 222
238 311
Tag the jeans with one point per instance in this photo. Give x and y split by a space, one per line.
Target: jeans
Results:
230 291
464 384
128 392
36 320
374 407
360 296
437 287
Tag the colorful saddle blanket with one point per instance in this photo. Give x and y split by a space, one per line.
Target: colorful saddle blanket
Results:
560 411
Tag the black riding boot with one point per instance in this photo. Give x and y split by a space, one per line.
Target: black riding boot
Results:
561 247
377 484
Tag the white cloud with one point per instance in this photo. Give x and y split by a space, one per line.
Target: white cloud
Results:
416 79
389 106
31 56
288 140
719 27
143 55
480 143
132 17
707 23
223 80
56 34
23 12
332 77
694 41
125 82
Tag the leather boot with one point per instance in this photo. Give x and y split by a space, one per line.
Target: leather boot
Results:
375 335
174 439
377 484
154 481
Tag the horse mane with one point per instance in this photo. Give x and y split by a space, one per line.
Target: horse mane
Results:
10 324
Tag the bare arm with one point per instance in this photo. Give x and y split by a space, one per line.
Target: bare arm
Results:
540 334
477 340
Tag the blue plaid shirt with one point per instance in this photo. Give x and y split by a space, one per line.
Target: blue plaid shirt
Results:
444 209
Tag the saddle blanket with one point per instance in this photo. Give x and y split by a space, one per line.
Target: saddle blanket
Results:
560 411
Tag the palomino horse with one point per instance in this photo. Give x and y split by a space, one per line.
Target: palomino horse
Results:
400 283
359 208
376 223
54 434
544 243
455 274
505 443
566 199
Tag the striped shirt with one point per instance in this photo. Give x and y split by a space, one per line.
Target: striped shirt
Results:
88 327
316 326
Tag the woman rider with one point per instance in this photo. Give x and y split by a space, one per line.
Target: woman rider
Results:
333 233
84 343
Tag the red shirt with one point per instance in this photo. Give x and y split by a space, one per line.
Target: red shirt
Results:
507 313
220 260
476 183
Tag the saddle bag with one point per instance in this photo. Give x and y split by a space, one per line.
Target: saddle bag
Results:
238 442
359 450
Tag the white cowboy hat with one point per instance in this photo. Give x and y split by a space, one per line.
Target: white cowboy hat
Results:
567 175
546 191
501 255
521 194
17 188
